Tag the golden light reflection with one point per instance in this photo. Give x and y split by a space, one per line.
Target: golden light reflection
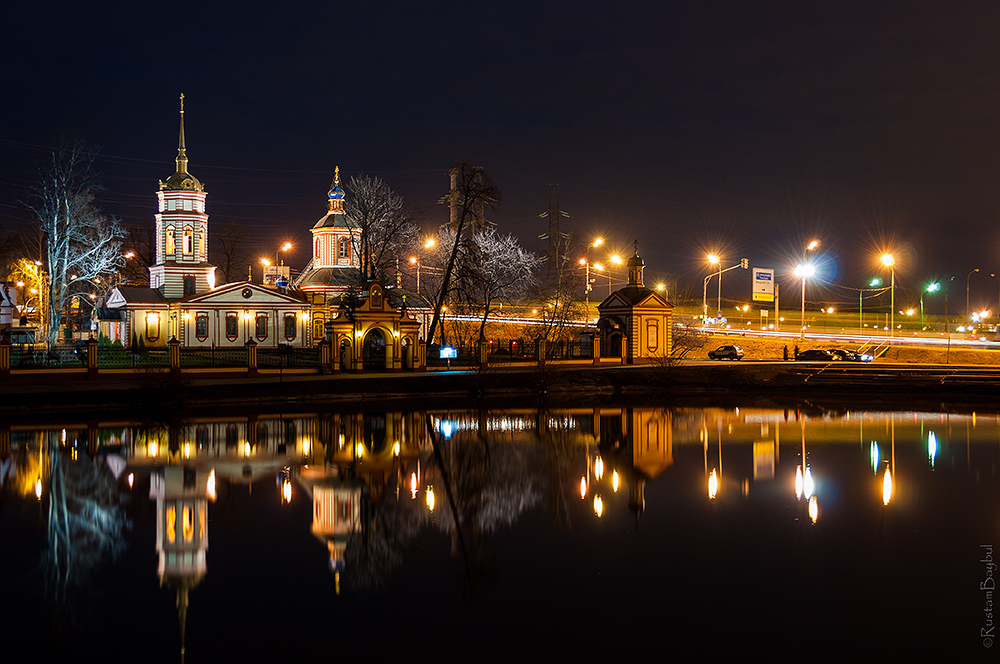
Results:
305 447
395 448
187 450
131 480
614 480
171 524
38 488
360 450
430 498
713 485
154 448
210 485
413 486
286 491
583 488
798 482
246 449
813 509
598 467
808 486
598 506
886 487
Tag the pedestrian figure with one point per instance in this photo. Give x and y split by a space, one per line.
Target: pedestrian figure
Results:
786 353
796 351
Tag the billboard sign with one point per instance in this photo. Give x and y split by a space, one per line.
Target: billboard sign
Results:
763 284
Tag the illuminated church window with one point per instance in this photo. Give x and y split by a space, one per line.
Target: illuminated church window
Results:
188 240
170 240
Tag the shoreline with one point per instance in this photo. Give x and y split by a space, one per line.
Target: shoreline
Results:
686 380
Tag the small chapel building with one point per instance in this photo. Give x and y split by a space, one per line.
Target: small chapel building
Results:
635 322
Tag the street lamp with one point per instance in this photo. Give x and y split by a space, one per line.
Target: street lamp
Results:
713 259
804 271
931 288
967 310
889 262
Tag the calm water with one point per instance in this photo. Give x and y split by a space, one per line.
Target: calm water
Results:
497 533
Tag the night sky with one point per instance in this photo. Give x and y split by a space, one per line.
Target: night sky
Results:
737 127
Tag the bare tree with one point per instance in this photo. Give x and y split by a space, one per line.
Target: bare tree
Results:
385 229
229 251
140 254
496 270
472 192
81 245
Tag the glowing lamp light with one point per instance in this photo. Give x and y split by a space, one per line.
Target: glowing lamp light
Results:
447 428
413 486
430 498
305 446
598 506
798 482
395 448
813 509
210 485
359 450
38 488
598 467
246 449
131 480
888 260
616 259
812 245
886 487
187 450
615 481
713 485
583 487
286 491
154 449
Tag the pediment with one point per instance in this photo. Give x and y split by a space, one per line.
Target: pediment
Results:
240 294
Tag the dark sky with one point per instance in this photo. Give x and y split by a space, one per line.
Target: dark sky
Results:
745 128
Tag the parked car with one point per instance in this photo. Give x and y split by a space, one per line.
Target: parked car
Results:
850 355
816 355
726 353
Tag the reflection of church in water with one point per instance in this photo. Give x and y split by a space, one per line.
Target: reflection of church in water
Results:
347 465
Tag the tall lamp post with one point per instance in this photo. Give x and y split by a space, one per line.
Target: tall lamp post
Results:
967 311
804 271
716 260
931 288
889 262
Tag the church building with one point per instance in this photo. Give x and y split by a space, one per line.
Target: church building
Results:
183 301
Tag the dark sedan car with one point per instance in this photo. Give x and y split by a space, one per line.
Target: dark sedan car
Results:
816 355
726 353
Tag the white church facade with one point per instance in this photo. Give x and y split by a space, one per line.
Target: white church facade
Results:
182 300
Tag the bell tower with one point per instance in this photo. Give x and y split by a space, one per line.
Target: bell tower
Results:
181 267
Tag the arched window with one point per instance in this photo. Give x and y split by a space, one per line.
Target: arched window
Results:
316 252
345 248
188 240
170 239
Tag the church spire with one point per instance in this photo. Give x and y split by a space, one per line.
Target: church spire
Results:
182 180
182 160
